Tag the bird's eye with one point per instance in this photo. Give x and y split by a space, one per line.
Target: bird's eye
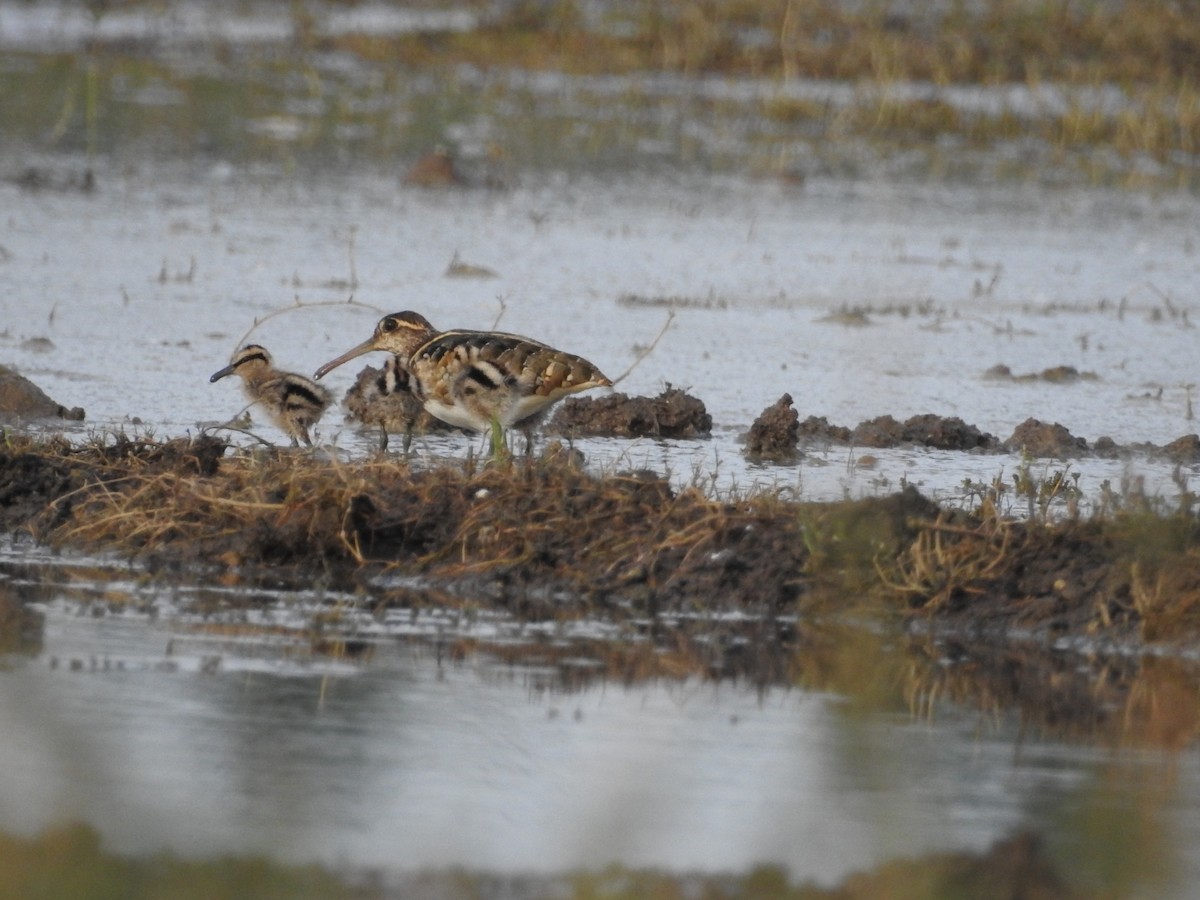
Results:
389 324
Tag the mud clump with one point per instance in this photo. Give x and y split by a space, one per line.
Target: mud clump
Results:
776 432
1053 375
435 169
21 398
672 414
35 179
1066 579
30 482
928 430
41 482
1184 450
817 428
1039 439
1032 437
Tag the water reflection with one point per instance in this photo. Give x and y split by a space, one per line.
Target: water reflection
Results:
457 748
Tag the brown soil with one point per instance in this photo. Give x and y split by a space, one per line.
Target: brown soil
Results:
1032 437
1184 450
928 430
672 414
21 398
1053 375
775 432
33 178
1035 438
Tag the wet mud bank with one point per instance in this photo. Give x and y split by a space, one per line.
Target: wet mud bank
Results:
779 434
543 538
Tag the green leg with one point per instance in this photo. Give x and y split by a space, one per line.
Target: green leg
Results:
499 449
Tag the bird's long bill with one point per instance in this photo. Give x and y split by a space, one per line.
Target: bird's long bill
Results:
221 373
365 347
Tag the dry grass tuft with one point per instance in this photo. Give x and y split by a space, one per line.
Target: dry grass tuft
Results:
544 538
515 531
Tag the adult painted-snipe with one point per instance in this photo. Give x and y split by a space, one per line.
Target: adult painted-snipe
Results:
382 397
293 402
479 380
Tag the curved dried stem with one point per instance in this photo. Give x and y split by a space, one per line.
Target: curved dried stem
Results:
648 350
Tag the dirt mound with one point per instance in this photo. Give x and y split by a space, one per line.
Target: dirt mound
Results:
1184 450
775 432
1031 437
1053 375
1036 438
40 482
21 398
672 414
34 178
928 430
817 428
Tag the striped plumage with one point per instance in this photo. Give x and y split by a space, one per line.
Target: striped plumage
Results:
294 403
381 397
477 379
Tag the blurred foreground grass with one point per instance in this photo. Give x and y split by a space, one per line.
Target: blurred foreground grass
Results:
68 862
1099 92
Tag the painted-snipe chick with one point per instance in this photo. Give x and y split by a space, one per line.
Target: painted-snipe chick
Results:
382 397
479 380
293 402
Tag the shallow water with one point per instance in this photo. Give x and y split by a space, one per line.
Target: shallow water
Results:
166 733
144 289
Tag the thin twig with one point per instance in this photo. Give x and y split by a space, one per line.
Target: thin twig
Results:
227 426
302 304
500 313
654 343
